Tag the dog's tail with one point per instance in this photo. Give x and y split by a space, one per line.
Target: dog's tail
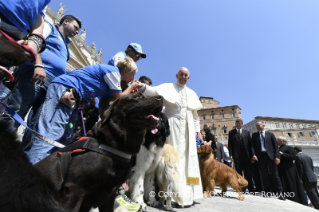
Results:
167 173
242 181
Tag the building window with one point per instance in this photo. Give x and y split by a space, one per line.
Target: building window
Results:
225 138
297 126
214 132
213 116
225 131
277 125
223 116
218 126
312 133
208 101
284 125
291 126
233 115
290 134
301 134
204 117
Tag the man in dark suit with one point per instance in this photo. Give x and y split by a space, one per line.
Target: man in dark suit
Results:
304 167
220 154
265 150
239 152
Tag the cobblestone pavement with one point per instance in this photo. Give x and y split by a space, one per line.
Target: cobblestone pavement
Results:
232 204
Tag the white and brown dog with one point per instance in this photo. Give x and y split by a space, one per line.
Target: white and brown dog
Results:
154 161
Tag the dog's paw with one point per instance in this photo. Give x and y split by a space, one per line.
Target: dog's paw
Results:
169 208
144 207
241 197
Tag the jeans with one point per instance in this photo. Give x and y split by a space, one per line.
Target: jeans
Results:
54 120
25 94
4 96
4 92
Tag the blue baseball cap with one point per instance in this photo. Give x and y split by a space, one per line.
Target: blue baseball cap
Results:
138 48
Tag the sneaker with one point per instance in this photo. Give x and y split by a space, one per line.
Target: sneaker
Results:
128 204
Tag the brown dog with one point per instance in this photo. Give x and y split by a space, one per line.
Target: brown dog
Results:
11 54
215 173
92 178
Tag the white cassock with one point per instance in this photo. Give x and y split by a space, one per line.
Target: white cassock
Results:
181 105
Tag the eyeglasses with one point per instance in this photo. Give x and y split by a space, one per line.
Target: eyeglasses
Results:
139 56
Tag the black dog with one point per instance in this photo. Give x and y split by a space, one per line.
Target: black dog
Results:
93 177
22 188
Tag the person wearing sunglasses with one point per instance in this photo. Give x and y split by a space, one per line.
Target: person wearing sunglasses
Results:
134 51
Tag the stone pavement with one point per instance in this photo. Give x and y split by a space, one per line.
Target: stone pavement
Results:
232 204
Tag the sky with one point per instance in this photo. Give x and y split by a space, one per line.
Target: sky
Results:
262 55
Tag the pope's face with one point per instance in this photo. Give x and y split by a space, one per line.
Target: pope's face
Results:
182 76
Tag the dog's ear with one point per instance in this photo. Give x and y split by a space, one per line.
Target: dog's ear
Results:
208 149
108 112
199 150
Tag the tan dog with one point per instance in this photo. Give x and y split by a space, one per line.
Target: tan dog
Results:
168 178
215 173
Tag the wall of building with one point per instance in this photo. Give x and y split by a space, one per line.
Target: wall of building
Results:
220 119
208 102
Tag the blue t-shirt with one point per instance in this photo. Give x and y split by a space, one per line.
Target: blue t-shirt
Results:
23 13
198 141
113 61
56 53
92 81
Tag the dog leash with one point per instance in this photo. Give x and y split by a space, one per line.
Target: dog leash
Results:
19 119
83 124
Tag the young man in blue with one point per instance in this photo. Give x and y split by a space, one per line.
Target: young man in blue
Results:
19 17
32 80
90 81
134 51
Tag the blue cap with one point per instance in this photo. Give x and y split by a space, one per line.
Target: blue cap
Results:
138 48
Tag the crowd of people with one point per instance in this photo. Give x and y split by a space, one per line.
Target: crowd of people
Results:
270 166
53 96
43 87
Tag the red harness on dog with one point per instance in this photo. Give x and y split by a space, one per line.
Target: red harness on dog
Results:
85 144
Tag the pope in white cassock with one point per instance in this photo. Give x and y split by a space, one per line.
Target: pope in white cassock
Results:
181 105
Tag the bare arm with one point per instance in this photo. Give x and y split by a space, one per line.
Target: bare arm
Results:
39 75
37 27
127 91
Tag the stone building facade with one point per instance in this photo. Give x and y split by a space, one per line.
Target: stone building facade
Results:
220 119
81 54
